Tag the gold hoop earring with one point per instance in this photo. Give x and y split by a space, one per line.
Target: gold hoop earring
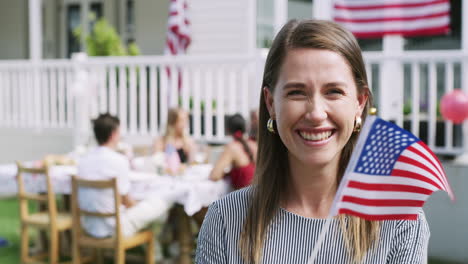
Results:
270 126
357 124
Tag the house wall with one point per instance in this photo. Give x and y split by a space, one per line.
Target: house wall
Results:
150 25
448 220
14 30
111 12
51 29
299 10
220 26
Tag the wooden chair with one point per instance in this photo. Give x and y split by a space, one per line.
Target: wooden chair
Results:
49 220
118 242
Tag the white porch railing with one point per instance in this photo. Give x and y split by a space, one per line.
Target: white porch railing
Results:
60 93
139 90
426 77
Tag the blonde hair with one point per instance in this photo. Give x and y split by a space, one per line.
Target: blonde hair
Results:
173 116
272 169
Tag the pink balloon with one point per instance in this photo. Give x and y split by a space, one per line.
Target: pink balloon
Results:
454 106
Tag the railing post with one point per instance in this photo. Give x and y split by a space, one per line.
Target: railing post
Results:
391 81
81 93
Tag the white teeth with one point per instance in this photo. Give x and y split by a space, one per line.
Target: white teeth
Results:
315 136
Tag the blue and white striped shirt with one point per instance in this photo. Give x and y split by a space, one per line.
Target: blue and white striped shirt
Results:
291 237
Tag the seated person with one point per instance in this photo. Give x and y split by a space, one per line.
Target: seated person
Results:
176 135
240 155
104 163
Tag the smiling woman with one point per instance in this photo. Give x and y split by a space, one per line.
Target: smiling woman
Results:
314 99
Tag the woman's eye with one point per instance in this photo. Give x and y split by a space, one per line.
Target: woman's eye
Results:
335 91
296 92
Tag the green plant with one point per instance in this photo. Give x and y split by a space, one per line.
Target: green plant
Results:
408 108
104 40
202 103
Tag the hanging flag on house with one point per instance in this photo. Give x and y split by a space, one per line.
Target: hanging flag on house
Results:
376 18
390 175
178 40
178 32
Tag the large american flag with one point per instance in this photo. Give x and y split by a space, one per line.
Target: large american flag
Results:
376 18
390 175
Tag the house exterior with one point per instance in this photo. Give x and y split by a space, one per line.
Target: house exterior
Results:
47 96
217 26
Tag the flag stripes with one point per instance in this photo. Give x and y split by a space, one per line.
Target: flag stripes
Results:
390 175
178 33
368 18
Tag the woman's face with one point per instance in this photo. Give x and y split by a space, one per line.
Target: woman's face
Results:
315 104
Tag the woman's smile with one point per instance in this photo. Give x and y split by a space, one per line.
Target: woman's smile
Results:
316 137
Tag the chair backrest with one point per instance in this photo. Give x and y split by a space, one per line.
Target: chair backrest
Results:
78 212
24 196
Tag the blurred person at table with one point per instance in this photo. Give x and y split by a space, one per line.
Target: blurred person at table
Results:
239 155
104 163
176 136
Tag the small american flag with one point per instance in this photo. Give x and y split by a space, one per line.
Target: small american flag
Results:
376 18
390 175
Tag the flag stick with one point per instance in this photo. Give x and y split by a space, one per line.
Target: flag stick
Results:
318 244
320 239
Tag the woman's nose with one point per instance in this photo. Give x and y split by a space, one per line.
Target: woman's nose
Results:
316 110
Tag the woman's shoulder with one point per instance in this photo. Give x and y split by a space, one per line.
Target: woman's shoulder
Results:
234 202
409 228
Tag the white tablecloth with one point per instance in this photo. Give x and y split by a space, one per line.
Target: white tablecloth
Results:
192 189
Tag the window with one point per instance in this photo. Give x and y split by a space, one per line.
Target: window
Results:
73 16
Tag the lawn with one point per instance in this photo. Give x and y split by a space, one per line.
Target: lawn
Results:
9 229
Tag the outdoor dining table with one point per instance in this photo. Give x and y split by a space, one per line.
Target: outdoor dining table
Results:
190 190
